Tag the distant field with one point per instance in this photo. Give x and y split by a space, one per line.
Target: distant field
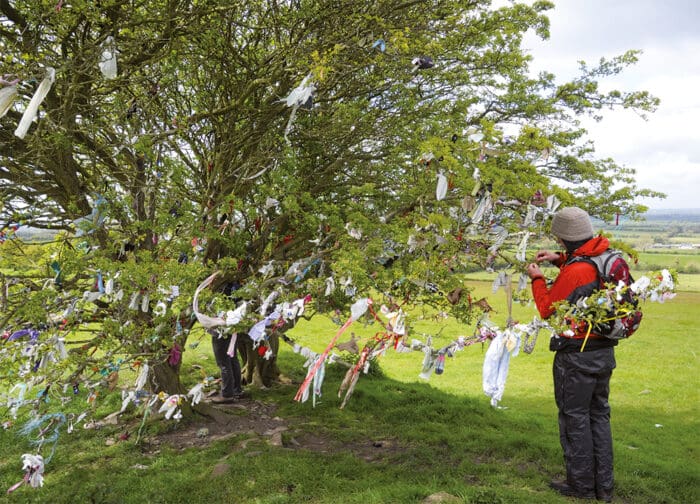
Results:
678 260
655 240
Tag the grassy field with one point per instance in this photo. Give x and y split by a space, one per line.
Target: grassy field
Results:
400 438
681 261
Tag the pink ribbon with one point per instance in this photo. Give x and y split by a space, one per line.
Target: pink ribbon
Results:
17 485
309 377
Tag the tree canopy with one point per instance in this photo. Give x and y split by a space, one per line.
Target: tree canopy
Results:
329 149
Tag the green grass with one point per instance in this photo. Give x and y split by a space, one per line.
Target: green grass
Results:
439 435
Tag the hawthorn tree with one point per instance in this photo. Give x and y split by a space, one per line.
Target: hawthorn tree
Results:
385 146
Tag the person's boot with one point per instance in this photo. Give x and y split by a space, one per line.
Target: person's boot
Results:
219 399
564 488
604 495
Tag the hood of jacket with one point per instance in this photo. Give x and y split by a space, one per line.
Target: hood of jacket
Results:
593 247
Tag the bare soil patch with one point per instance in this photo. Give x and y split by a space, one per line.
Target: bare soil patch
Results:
257 422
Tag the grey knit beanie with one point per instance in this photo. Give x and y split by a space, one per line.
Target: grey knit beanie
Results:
572 224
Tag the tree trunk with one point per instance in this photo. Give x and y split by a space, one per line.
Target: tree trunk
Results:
256 370
164 377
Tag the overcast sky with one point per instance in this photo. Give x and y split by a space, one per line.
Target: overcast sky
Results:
665 149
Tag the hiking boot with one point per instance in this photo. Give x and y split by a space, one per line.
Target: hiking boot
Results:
223 399
243 394
604 495
565 489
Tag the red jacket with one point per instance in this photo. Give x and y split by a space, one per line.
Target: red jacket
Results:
570 277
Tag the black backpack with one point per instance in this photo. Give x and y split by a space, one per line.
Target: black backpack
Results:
622 322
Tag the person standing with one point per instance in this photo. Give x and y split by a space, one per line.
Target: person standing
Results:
227 360
581 373
225 352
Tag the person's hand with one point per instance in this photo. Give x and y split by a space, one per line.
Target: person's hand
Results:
534 271
546 255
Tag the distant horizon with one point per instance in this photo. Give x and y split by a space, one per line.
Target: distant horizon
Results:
674 209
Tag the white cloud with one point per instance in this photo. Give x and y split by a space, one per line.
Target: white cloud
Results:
665 149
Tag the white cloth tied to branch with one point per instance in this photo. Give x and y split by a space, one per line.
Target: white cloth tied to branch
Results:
171 407
497 361
235 317
257 332
268 301
206 321
293 310
142 378
33 107
196 392
359 308
441 189
298 97
7 98
108 62
522 248
34 466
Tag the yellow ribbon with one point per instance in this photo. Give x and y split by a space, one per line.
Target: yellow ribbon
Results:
620 314
588 333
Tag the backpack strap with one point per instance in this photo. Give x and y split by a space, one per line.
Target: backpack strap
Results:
600 262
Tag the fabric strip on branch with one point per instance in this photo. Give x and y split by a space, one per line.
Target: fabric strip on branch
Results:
7 99
531 216
14 403
33 107
37 430
33 465
501 237
428 361
531 331
522 282
441 189
357 310
482 209
501 280
520 255
142 377
352 376
552 204
108 61
257 332
265 305
496 363
316 373
171 408
302 95
206 321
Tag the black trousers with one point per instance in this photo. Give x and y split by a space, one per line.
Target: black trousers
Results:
230 366
581 389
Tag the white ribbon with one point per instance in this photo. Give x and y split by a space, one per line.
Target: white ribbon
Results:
108 63
206 321
33 107
7 98
441 189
